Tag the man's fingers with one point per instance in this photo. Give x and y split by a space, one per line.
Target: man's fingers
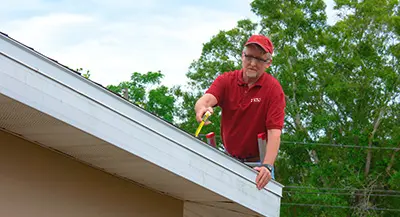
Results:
198 118
259 175
207 123
258 179
199 115
201 112
266 179
263 177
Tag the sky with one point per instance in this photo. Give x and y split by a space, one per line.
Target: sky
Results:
113 39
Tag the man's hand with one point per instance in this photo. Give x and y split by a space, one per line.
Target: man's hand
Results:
204 104
200 113
263 177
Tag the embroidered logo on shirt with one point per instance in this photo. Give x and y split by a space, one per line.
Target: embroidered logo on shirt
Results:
256 100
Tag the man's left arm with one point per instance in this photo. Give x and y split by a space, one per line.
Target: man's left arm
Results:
274 124
264 175
273 142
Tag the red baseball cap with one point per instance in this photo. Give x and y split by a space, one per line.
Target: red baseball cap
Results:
263 41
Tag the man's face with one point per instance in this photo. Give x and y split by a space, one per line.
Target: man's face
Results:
254 61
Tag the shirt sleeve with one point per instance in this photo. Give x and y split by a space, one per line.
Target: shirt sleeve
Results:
276 109
217 88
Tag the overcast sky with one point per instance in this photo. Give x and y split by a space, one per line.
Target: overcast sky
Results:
115 38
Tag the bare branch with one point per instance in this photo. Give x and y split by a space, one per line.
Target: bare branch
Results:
390 165
371 138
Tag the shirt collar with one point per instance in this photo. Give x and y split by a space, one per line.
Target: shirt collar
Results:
240 81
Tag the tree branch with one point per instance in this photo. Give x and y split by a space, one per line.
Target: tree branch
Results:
370 139
297 119
390 165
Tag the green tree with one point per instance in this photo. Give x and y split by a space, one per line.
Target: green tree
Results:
342 87
359 73
146 91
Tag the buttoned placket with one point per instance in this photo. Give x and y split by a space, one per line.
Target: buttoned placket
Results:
245 91
242 89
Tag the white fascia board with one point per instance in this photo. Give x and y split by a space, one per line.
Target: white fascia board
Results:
43 84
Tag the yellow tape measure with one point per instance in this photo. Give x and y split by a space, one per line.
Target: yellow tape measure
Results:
205 117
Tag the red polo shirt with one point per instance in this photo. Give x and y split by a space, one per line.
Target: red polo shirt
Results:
246 112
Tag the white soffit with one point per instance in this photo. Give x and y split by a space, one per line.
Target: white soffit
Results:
46 86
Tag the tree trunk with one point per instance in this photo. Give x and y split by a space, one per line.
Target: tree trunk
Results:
370 140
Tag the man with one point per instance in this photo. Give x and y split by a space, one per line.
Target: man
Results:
252 102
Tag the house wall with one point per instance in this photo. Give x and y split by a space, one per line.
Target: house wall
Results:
35 181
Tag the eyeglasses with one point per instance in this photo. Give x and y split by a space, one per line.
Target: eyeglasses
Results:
257 59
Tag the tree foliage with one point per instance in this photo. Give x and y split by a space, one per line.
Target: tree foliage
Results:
145 91
342 86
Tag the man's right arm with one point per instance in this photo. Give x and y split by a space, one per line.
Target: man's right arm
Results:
213 96
204 104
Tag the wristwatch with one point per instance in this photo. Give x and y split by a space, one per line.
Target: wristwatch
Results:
268 166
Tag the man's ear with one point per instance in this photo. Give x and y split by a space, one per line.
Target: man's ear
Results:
268 64
242 57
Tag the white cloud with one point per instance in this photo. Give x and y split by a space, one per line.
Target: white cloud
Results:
46 30
113 40
114 48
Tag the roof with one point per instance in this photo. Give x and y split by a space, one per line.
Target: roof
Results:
54 106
